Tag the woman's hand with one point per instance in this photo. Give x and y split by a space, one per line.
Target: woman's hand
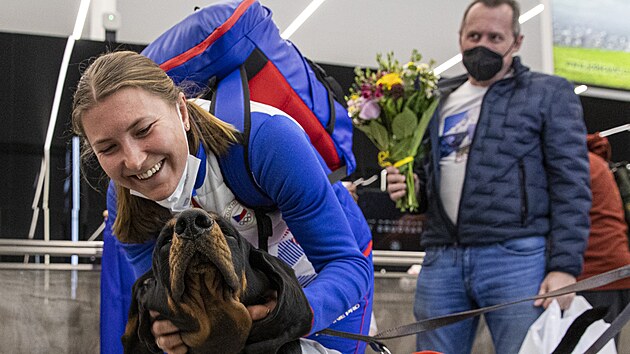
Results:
167 336
258 312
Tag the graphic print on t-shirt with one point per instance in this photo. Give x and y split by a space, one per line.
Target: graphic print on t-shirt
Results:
459 130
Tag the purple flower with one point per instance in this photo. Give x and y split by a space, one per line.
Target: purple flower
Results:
378 93
366 91
370 110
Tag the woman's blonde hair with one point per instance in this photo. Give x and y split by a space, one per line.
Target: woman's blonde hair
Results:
139 219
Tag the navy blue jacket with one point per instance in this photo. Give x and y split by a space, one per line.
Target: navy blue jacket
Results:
527 173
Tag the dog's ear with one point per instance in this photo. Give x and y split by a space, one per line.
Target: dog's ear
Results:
291 319
138 329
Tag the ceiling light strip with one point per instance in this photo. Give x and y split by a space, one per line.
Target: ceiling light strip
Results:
580 89
619 129
448 64
299 21
535 11
76 34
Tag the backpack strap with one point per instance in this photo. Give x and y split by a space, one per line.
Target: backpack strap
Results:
265 228
258 63
257 60
227 105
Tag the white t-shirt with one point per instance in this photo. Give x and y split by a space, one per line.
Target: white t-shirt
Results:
458 121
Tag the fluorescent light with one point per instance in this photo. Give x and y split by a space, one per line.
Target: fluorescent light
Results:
76 34
619 129
52 122
580 89
297 23
535 11
448 64
80 21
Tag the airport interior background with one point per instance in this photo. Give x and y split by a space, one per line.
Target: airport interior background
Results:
49 299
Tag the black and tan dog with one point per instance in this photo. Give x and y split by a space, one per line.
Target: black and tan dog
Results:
203 276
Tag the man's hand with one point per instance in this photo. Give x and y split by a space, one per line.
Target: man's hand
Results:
395 183
352 189
396 186
167 336
554 281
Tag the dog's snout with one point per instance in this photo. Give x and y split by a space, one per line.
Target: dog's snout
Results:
203 221
192 223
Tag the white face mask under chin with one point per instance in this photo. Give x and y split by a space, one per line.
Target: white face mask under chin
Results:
181 197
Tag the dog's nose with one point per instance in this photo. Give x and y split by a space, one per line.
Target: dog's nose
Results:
192 223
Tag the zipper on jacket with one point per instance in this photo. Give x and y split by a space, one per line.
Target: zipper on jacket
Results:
472 145
470 150
523 185
450 226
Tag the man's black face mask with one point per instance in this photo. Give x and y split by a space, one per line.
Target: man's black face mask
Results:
482 63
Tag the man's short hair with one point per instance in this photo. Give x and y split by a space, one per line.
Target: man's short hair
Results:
516 12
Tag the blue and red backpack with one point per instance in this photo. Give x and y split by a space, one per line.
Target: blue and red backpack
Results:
235 49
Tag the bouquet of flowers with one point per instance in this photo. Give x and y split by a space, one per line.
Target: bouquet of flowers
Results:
393 106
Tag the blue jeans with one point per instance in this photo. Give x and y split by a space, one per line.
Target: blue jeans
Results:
455 279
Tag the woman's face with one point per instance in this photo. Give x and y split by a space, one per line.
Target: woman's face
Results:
139 140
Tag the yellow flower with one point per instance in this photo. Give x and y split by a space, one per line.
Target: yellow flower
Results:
389 80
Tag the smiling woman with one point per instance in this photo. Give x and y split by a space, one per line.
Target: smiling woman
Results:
130 117
165 154
139 140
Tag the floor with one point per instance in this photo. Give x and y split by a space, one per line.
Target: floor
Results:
49 311
393 304
58 312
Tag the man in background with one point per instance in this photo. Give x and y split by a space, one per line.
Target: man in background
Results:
506 187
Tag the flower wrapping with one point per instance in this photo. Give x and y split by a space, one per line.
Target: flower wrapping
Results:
393 106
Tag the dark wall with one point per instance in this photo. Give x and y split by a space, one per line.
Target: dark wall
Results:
601 114
30 65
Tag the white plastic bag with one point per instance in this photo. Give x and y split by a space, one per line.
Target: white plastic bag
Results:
545 334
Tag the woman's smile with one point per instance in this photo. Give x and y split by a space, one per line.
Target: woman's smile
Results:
150 172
